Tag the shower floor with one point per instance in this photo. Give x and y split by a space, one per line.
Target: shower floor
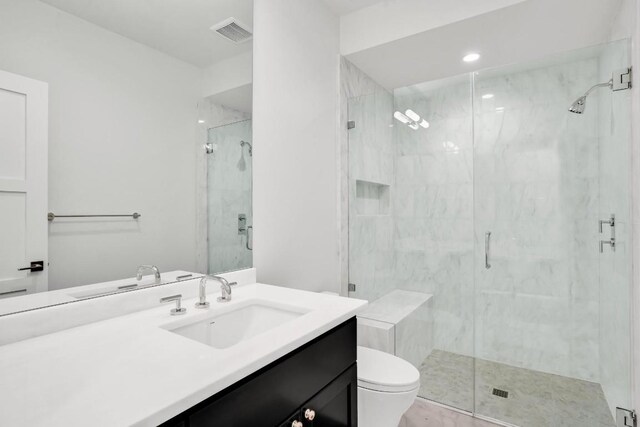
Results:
535 399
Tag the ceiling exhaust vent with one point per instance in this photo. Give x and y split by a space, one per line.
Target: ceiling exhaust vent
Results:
234 30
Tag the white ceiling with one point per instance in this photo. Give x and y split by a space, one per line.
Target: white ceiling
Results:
178 28
342 7
515 34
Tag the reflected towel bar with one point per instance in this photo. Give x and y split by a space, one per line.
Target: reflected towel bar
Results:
51 216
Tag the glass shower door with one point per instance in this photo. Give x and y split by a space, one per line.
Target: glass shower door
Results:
371 174
229 197
614 109
433 240
410 232
550 307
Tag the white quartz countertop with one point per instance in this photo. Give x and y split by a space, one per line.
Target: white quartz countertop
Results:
129 370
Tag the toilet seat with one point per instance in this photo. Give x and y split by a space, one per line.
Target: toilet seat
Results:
384 372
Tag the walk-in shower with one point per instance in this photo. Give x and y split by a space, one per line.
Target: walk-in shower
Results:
504 177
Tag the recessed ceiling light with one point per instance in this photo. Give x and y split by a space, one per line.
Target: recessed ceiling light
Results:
414 126
499 109
200 121
424 123
487 96
471 57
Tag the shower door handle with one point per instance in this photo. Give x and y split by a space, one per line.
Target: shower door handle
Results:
487 249
248 237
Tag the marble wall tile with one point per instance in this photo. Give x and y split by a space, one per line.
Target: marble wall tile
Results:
414 334
377 335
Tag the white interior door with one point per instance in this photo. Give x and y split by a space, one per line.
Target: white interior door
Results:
23 185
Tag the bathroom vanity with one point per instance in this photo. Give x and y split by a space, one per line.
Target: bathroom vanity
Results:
271 356
314 385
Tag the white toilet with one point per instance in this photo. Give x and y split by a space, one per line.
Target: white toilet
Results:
387 387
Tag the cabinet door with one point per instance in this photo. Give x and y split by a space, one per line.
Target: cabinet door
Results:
266 397
292 421
336 405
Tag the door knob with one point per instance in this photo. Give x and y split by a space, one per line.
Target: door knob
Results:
309 414
35 266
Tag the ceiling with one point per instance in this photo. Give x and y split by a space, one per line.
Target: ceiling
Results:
178 28
509 35
342 7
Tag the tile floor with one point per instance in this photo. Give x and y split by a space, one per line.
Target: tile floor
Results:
536 399
426 414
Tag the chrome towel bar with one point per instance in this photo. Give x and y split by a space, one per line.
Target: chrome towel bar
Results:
51 216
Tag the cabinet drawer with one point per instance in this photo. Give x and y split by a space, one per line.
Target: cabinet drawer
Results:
269 396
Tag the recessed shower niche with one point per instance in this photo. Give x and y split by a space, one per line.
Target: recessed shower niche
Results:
372 198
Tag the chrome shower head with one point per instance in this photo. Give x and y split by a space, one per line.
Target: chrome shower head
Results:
620 80
579 104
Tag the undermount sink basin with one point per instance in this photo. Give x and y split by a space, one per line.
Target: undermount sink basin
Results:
232 327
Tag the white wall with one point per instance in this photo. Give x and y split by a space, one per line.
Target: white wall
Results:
228 74
122 122
296 62
387 21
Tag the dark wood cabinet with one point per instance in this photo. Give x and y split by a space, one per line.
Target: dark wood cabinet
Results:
334 406
292 420
318 380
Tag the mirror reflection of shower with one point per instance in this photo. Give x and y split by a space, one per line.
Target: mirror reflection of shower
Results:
242 164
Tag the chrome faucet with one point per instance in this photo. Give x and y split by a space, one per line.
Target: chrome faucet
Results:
225 288
153 268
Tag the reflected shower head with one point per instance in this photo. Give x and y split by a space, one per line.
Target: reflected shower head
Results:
243 143
242 164
578 106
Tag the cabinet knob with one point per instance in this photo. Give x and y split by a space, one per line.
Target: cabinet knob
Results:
296 423
309 414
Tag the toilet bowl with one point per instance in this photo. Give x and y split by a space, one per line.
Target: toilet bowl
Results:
387 387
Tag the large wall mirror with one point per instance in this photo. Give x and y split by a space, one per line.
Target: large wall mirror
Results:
125 141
